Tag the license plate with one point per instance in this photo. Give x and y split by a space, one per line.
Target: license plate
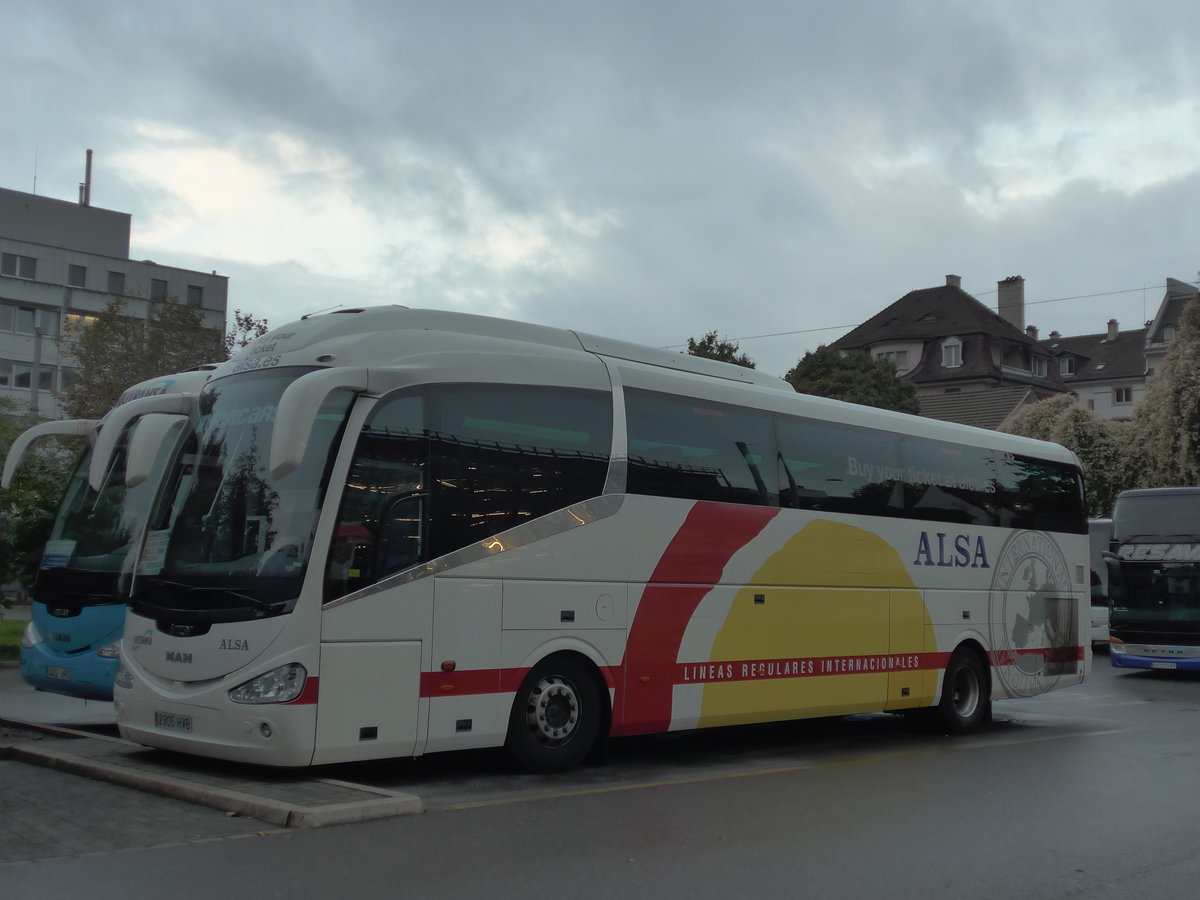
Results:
1162 665
58 673
173 721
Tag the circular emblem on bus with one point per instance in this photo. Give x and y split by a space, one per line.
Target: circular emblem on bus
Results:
1033 616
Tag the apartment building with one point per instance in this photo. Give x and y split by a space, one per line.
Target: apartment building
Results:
61 262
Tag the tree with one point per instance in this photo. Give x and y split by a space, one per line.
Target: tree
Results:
854 377
28 505
116 350
712 347
245 329
1103 446
1167 421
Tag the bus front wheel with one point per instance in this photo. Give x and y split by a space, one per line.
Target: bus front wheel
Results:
556 716
965 693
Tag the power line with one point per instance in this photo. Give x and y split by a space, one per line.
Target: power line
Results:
754 337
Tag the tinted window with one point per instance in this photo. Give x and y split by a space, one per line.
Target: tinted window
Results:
699 450
839 468
438 469
949 482
1041 495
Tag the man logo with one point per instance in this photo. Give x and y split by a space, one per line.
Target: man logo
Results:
174 657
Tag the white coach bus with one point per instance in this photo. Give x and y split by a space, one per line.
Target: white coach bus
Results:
400 531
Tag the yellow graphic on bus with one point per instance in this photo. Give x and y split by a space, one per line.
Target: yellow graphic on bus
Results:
852 643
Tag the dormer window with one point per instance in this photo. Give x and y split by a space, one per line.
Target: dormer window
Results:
1039 367
898 358
951 353
1066 365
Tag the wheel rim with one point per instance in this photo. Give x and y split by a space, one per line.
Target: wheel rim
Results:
966 692
553 711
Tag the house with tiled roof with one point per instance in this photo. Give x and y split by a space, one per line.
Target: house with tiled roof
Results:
969 363
979 366
1108 371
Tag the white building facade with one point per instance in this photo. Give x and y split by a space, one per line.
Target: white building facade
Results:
61 262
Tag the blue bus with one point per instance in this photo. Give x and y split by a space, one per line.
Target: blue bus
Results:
78 600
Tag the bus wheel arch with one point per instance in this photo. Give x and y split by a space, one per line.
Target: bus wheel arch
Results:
560 714
966 697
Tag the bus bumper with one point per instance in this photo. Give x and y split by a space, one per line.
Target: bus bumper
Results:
1155 656
83 675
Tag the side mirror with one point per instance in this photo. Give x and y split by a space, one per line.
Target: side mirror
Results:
1116 578
146 445
26 439
114 423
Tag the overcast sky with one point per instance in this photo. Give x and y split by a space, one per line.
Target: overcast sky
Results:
644 170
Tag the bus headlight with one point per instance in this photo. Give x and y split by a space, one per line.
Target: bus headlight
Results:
110 651
30 637
124 679
280 685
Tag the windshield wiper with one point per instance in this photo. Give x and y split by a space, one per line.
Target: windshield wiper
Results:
228 592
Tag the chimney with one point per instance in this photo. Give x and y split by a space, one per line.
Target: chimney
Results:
1010 295
1031 330
85 189
1112 329
953 281
1054 335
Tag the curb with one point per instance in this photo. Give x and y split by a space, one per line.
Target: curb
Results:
378 803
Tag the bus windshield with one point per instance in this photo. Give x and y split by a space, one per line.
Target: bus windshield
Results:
227 542
93 536
1156 516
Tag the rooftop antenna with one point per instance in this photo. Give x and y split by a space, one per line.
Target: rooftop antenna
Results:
35 149
319 311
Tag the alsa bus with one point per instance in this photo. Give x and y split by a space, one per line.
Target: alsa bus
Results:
1154 579
402 531
77 612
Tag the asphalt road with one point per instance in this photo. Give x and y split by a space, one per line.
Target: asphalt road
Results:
1091 791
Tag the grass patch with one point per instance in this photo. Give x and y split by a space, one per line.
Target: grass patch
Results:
10 638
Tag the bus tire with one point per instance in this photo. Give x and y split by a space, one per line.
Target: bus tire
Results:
966 693
556 715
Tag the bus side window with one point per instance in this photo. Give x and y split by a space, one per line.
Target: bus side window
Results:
390 464
831 467
700 449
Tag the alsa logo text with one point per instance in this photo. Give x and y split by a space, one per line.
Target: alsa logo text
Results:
959 551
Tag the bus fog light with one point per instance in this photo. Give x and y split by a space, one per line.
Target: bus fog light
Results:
30 637
124 679
265 729
110 651
281 685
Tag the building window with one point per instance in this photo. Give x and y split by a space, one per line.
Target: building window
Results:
5 373
158 289
952 353
18 266
898 358
29 319
195 294
23 377
1039 367
76 322
1123 395
116 282
6 317
1066 365
77 276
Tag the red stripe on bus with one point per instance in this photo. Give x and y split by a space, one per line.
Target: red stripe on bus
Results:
471 682
687 571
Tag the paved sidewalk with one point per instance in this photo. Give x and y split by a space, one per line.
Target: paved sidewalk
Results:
281 797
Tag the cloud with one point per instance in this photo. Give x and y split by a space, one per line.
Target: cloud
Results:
649 171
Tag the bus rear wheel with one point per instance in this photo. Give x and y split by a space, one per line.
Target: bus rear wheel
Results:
965 693
556 716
